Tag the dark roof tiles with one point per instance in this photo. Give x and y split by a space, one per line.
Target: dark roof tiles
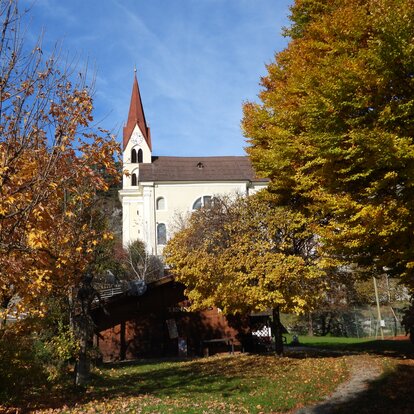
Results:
198 169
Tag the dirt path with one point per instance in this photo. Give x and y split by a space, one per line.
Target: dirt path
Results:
363 370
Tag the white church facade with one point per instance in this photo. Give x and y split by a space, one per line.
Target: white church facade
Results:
157 191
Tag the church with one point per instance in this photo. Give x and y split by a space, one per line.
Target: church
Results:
157 192
160 191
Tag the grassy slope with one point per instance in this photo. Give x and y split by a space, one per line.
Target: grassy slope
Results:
245 383
228 384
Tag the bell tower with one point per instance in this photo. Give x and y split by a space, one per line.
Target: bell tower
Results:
137 201
137 147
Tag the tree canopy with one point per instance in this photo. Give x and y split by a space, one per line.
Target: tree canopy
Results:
334 127
52 165
246 254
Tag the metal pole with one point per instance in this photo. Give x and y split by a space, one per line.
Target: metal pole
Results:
378 308
356 323
395 321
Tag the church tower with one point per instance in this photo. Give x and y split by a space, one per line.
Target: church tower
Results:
136 201
137 146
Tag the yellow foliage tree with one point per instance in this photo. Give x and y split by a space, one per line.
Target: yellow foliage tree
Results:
248 254
334 128
52 165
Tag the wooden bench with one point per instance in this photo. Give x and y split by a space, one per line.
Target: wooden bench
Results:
228 341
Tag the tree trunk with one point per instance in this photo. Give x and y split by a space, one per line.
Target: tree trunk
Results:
277 331
82 368
328 329
5 304
85 337
310 324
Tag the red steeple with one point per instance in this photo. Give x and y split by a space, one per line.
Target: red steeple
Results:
136 116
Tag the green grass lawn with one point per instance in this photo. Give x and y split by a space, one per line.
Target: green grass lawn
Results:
327 340
219 384
239 383
367 345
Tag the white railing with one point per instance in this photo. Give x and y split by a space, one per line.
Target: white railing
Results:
109 292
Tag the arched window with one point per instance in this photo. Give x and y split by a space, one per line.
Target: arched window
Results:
160 203
161 234
134 179
140 155
133 156
204 201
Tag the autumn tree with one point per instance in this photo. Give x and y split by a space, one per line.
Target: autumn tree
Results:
52 166
334 128
247 254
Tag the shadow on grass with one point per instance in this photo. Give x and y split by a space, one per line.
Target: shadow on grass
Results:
220 376
231 377
196 379
174 380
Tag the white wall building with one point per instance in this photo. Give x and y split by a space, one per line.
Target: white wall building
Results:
158 190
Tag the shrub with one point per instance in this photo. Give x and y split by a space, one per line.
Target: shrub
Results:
408 320
20 370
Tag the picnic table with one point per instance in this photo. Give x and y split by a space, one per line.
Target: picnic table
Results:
228 341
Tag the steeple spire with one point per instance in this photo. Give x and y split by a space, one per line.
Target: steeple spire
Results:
136 115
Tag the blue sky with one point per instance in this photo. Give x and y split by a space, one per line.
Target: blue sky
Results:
197 61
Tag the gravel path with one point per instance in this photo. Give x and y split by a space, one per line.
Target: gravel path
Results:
363 370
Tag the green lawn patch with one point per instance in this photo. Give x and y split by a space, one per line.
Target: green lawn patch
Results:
220 384
239 383
391 347
327 340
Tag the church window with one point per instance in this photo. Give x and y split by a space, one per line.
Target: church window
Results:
134 179
133 156
204 201
160 203
140 156
161 234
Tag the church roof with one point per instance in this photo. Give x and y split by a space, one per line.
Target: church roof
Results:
136 116
198 169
